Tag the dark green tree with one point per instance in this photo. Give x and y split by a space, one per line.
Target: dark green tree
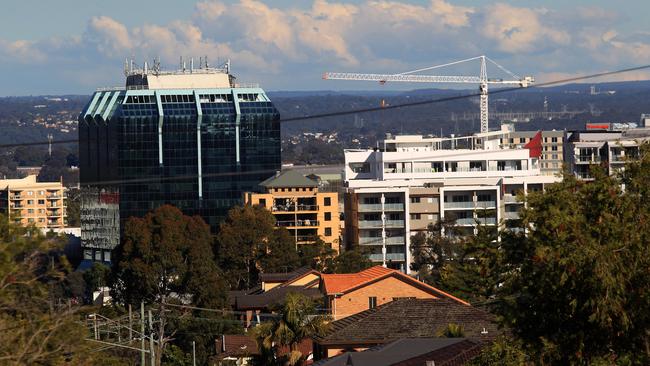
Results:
575 289
433 249
166 258
318 255
351 261
38 326
248 243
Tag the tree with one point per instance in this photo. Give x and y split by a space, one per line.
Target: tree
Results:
575 289
73 207
248 243
434 249
297 322
36 326
318 255
166 258
351 261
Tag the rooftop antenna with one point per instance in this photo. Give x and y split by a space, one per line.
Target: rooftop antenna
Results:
228 66
192 65
206 62
146 67
126 66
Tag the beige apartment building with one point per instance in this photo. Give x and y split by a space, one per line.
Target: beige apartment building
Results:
29 202
298 206
552 158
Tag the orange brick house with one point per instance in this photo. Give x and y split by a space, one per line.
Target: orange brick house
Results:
349 294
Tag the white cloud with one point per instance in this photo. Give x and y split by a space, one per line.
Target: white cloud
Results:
289 47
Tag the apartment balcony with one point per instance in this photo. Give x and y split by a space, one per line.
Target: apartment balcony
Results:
16 197
459 205
394 223
488 221
370 207
583 175
298 223
466 222
295 208
389 257
54 197
377 207
302 239
372 240
510 199
393 207
511 215
486 204
371 224
589 159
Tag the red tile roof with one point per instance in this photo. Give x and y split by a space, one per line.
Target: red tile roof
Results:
342 283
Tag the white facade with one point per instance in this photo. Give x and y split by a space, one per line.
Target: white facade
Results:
478 182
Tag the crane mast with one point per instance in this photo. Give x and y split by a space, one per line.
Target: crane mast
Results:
412 77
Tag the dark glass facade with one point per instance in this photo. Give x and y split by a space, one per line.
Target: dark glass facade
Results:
197 149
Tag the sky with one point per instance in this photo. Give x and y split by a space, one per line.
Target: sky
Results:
76 46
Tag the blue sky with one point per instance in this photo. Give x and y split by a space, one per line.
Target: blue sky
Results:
74 46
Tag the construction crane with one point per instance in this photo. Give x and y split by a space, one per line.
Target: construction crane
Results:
412 76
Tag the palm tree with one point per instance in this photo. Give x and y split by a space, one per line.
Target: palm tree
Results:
297 322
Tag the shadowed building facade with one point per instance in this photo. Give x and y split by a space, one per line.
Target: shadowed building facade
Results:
194 139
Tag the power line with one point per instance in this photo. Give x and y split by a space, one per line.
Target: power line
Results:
402 105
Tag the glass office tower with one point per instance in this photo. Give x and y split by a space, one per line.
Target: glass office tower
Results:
192 139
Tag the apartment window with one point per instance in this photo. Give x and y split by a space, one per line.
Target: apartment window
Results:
511 141
545 139
41 202
328 216
328 201
432 217
30 193
88 254
415 216
554 156
41 193
372 302
31 211
30 220
393 200
371 200
41 220
415 199
522 140
328 231
30 202
107 256
262 202
554 139
394 216
554 148
98 255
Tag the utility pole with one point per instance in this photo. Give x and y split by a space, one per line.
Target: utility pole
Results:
193 353
151 343
142 351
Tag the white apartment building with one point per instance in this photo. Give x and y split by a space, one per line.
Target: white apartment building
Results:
607 148
398 189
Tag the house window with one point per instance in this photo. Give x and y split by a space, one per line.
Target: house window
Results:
328 201
328 231
372 302
328 216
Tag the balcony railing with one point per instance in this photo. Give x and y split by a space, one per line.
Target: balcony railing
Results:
373 223
511 215
466 204
293 208
394 223
366 207
305 238
588 158
508 198
297 223
389 257
394 207
486 204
